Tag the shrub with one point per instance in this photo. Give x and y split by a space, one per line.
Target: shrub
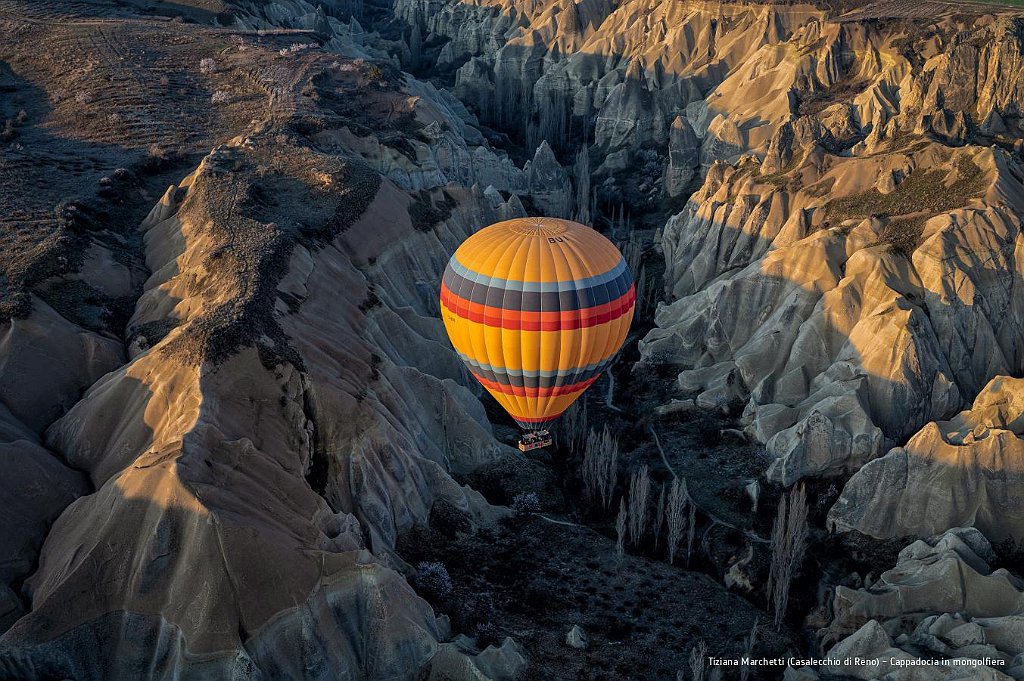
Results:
220 97
433 580
207 66
620 531
487 633
527 502
370 301
296 47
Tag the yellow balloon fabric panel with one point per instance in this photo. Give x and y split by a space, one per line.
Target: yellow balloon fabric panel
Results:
537 308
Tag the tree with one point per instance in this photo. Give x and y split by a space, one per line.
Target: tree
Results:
676 516
620 531
691 532
749 643
698 660
574 427
600 466
789 544
659 516
581 172
639 500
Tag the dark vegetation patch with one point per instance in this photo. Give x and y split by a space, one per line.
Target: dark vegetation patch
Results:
510 476
27 258
151 333
79 302
923 191
811 103
903 234
366 99
426 211
257 206
533 580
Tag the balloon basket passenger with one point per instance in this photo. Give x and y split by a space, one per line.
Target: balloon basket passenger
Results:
535 440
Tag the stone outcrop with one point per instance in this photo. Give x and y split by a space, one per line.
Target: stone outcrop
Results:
683 156
630 67
549 184
963 472
789 295
941 602
739 73
630 117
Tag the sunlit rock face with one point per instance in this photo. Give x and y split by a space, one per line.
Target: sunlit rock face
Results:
841 343
628 69
856 277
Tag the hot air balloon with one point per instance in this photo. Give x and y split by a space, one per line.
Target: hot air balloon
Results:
537 308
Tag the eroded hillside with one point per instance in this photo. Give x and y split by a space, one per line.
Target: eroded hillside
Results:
231 424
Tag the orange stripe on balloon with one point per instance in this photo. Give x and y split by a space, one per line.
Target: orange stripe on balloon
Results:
540 419
516 320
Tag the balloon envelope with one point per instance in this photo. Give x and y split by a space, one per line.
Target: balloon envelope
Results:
537 308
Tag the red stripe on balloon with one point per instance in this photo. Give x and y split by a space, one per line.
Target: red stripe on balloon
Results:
514 320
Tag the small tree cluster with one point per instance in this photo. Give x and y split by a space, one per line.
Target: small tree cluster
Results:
573 426
581 177
789 544
552 122
296 47
600 467
526 502
646 287
659 516
433 580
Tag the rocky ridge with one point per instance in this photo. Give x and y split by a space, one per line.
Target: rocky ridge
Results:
847 271
258 522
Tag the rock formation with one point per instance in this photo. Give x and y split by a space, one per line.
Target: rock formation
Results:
683 156
229 518
961 472
942 603
549 184
814 280
255 398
